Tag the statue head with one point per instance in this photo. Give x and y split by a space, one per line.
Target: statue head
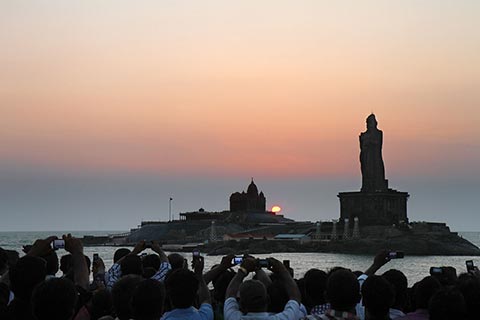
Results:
371 122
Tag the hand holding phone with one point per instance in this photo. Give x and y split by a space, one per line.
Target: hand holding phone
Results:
237 260
195 253
58 244
470 265
436 271
263 263
396 255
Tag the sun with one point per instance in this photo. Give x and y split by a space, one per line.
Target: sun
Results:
276 209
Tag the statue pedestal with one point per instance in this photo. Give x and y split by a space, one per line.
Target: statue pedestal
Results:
374 208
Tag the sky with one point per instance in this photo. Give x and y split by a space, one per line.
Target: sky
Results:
109 108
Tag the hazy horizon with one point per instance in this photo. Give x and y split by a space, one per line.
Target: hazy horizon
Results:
108 109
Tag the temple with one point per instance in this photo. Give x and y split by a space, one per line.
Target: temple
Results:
251 201
246 208
375 203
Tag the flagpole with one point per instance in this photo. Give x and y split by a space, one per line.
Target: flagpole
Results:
170 209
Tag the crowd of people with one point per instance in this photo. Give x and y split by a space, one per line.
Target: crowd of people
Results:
156 286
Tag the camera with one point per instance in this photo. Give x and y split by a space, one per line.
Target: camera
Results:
58 244
396 255
470 265
237 260
263 263
436 271
286 263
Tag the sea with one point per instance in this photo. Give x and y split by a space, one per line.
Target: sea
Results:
414 267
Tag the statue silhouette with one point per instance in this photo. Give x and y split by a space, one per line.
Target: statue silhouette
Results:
373 170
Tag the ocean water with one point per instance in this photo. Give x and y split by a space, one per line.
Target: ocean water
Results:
414 267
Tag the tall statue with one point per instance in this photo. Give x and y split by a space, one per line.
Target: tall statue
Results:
373 170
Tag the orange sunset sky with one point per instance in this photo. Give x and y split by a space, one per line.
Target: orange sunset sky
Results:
108 108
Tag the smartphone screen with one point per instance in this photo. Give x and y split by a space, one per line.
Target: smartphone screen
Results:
58 244
396 255
470 265
237 260
436 270
263 263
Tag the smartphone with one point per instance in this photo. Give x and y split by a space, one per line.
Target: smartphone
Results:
95 257
58 244
195 253
470 265
143 255
237 260
263 263
436 271
286 263
396 255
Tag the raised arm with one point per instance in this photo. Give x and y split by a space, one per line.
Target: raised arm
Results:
263 277
290 285
379 261
216 271
80 269
203 292
248 265
156 247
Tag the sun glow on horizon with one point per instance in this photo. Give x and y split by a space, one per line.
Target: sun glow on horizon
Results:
276 209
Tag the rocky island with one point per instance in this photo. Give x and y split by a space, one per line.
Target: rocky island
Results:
371 219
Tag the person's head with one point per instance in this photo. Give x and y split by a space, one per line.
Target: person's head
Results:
131 264
102 304
119 254
315 285
25 275
181 286
448 276
151 261
343 290
122 293
334 269
400 284
149 272
65 263
220 285
378 296
176 260
3 261
469 286
13 257
52 263
50 258
447 304
66 266
424 290
147 300
54 299
253 296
